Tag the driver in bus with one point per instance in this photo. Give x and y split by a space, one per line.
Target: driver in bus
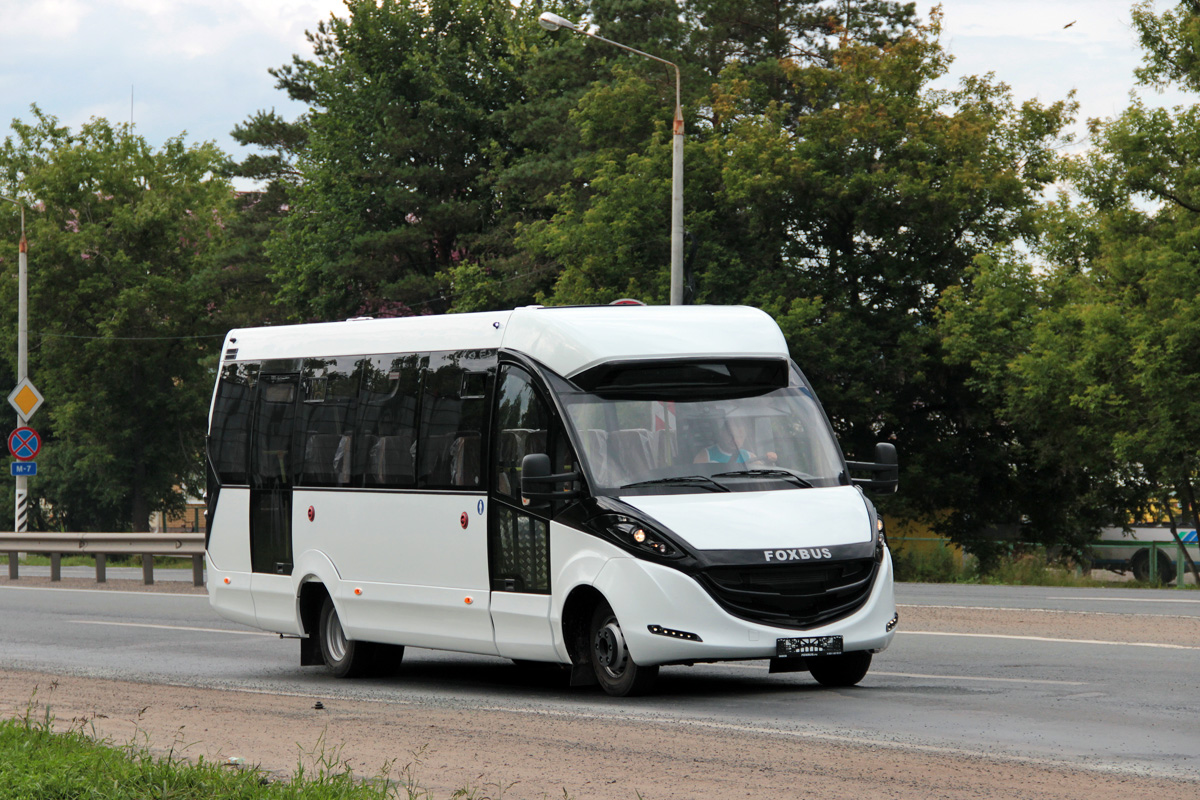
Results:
731 434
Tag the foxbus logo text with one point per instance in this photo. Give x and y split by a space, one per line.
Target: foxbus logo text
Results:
797 554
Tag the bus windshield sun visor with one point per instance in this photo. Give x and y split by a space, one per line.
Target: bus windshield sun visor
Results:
735 377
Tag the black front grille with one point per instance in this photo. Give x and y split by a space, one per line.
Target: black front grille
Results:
791 595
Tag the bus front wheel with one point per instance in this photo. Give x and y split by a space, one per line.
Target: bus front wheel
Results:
616 671
346 658
846 669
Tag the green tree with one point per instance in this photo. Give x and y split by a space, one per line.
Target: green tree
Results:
1097 377
402 98
122 338
845 212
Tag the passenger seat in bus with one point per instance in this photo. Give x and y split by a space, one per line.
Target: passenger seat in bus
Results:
629 455
595 449
319 452
391 461
464 460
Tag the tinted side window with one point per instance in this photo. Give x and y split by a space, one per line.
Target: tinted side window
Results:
525 425
386 428
274 416
229 437
454 419
325 444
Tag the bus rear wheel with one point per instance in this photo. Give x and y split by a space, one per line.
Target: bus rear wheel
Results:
616 671
347 658
1139 564
846 669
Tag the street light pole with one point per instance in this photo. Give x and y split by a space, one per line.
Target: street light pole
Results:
21 521
553 22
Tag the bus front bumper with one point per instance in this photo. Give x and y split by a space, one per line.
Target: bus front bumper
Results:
667 617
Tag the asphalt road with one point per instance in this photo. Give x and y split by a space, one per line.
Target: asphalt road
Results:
1114 706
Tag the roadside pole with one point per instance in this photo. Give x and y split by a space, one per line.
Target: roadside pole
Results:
22 510
21 521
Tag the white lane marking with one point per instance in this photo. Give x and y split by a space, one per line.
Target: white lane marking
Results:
203 597
922 676
1054 611
1049 639
1124 600
170 627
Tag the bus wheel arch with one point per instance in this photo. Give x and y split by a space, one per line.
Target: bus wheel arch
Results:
312 598
577 613
595 643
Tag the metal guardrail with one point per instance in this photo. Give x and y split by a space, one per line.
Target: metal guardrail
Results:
1153 546
102 545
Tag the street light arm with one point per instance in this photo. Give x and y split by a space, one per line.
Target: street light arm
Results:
553 22
671 64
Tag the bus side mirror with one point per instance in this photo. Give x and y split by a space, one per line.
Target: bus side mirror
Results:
537 482
885 477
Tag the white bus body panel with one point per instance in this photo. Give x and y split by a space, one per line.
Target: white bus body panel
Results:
570 340
792 518
229 546
522 626
228 558
275 603
423 576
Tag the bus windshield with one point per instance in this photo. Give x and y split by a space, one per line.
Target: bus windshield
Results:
776 438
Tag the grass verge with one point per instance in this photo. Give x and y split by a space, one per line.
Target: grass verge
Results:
160 562
39 763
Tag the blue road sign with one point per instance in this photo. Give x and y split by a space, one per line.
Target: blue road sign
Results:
23 468
24 444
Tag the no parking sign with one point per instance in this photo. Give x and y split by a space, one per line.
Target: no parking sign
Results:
24 444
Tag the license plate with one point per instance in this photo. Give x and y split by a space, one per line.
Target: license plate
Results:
808 646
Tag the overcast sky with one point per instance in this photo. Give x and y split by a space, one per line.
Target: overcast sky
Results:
200 66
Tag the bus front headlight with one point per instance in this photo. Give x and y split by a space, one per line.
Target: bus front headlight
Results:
633 534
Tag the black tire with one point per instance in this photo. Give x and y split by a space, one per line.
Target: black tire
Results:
844 670
616 672
346 658
1139 565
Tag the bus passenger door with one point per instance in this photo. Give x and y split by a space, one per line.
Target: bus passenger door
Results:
271 477
519 533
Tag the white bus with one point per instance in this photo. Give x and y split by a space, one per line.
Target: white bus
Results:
607 488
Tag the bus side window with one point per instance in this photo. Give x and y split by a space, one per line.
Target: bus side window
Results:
453 416
386 425
229 438
325 444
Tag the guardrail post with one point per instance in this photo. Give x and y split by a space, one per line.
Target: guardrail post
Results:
12 567
101 571
55 567
197 570
1154 562
1180 566
148 569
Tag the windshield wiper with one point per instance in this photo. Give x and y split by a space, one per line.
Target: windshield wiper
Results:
686 480
766 473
